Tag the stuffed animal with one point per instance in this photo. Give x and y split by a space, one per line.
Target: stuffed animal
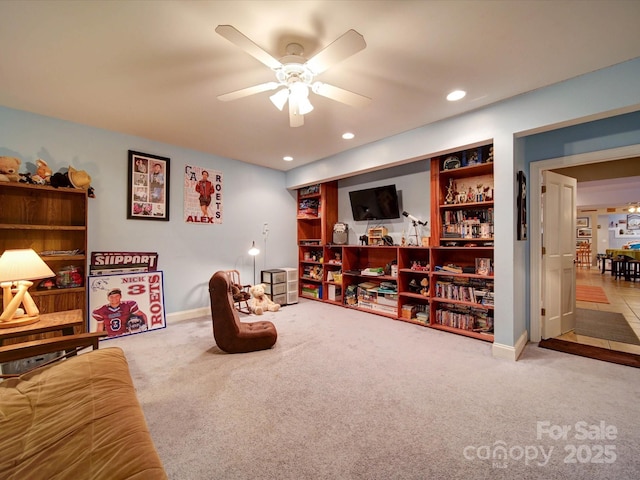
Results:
424 287
9 167
260 303
238 294
43 173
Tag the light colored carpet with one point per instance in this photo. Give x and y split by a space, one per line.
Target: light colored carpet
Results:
349 395
591 293
606 325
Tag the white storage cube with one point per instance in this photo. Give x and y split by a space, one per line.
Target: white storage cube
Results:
275 288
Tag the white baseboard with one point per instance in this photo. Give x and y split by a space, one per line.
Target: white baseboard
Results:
508 352
188 314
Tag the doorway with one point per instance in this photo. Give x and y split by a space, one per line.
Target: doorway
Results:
535 261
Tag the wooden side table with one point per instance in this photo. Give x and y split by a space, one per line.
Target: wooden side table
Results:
49 322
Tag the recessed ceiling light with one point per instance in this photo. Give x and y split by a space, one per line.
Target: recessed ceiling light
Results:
456 95
288 159
348 135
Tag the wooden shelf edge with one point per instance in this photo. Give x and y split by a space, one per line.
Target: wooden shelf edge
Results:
460 302
412 321
26 226
487 337
57 291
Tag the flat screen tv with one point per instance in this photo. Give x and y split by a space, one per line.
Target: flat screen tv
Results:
378 203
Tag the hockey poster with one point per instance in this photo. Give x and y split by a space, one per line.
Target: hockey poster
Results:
202 195
126 304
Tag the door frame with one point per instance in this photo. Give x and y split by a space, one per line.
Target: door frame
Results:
535 260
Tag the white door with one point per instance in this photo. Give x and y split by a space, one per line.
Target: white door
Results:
559 247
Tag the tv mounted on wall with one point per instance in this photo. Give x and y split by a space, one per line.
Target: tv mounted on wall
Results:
378 203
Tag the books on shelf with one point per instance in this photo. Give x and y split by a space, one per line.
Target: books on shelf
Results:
373 272
464 318
308 207
465 290
449 268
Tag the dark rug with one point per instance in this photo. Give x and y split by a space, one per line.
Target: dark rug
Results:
605 325
597 353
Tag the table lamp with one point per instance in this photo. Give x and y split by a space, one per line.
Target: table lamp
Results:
17 268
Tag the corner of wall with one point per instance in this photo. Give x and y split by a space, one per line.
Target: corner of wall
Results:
508 352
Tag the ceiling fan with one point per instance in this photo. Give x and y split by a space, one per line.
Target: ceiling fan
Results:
295 74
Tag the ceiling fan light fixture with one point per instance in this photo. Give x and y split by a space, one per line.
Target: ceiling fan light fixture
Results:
300 92
280 98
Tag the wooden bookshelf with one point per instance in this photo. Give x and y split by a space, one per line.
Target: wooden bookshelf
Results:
52 220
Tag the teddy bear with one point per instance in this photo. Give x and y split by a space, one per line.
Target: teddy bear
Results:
9 167
260 302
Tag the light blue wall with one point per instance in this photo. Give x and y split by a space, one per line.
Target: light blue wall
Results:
600 94
603 134
412 183
188 253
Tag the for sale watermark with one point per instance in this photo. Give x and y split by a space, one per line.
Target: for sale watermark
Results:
578 443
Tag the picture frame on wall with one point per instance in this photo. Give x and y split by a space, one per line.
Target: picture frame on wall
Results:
633 221
582 222
522 206
584 233
148 187
581 242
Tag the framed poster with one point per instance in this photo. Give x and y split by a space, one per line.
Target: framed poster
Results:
202 195
148 187
126 304
584 233
633 221
522 206
582 222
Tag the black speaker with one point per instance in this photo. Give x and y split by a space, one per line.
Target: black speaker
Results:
340 233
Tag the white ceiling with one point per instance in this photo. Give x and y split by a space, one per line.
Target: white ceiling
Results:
154 68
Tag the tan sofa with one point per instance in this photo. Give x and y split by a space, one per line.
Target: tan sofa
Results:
78 418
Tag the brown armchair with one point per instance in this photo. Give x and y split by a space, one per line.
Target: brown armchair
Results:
232 335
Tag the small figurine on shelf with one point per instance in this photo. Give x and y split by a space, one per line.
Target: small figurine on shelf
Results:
424 287
449 197
43 173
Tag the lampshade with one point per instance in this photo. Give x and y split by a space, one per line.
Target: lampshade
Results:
300 91
23 264
280 98
253 251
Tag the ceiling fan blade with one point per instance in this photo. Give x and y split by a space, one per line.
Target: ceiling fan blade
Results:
246 44
340 94
295 119
245 92
343 47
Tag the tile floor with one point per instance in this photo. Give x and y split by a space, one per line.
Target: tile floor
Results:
624 297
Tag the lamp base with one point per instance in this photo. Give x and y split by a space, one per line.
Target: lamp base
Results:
20 321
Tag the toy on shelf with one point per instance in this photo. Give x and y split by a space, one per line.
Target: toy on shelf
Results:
9 167
43 173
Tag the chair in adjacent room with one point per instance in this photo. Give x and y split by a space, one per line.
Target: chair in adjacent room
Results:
241 295
232 335
583 254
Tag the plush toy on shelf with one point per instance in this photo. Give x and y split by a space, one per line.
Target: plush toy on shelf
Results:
260 302
43 173
9 167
